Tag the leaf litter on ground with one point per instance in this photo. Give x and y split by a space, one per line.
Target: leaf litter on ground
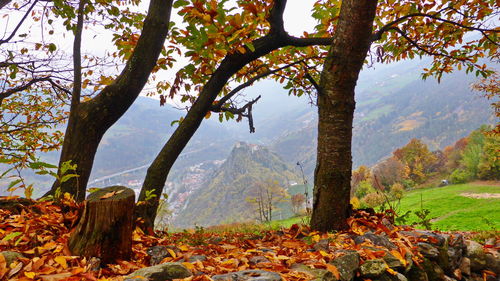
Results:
40 231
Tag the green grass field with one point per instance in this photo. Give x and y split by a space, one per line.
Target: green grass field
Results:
449 209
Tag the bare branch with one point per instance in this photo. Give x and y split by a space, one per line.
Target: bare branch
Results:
241 112
2 41
240 87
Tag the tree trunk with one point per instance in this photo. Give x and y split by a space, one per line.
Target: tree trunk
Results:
336 105
106 225
89 121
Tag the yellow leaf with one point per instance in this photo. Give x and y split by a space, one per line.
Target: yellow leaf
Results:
183 248
30 275
208 115
391 271
323 253
189 265
62 261
242 50
316 238
172 253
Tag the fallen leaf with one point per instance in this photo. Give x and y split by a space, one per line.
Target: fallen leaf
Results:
172 253
55 277
30 275
333 269
107 195
3 266
61 260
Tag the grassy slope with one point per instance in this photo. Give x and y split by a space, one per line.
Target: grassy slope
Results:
450 210
453 211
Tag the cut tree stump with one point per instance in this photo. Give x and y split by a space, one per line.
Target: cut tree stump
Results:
105 228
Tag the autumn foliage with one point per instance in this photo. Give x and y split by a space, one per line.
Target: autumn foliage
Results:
40 232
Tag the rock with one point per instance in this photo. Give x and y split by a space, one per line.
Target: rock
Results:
158 253
378 240
347 264
161 272
258 259
11 256
476 255
317 274
373 268
429 236
434 272
493 263
250 275
322 245
427 250
392 261
465 266
94 264
197 258
417 273
389 277
456 250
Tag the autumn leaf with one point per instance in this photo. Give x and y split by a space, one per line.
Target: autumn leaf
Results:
333 269
108 195
3 266
61 260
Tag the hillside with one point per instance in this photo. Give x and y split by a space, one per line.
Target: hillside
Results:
388 116
224 198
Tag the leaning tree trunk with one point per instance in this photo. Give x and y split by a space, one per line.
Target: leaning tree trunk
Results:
106 225
336 105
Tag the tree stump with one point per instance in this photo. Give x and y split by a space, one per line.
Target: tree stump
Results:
105 228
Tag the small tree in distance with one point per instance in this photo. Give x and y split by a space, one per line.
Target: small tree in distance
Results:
265 197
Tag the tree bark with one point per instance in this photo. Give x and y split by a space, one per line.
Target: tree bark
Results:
106 225
89 121
336 105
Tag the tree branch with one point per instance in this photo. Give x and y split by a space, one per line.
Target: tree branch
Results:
17 89
378 35
77 57
240 87
2 4
241 112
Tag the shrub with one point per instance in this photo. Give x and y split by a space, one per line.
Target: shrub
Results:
397 191
460 176
373 199
364 188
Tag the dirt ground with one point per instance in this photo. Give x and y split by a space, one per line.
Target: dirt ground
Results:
481 195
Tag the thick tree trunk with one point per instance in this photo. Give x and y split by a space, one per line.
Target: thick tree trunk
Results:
89 121
106 225
336 110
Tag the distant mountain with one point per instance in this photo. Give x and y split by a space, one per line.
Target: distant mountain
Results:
224 197
387 117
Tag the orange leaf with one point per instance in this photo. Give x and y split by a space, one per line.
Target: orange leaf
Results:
333 269
3 266
107 195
